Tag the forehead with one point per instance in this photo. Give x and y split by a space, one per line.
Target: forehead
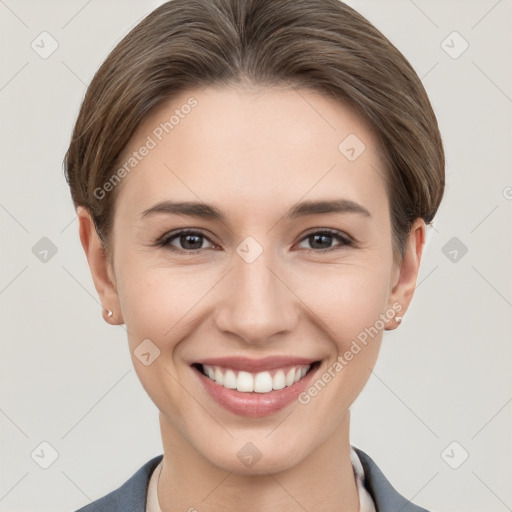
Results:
252 149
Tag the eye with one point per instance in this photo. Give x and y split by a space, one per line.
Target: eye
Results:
321 240
190 241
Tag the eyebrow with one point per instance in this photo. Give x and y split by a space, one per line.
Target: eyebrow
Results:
302 209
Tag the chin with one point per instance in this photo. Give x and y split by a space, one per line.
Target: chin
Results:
275 463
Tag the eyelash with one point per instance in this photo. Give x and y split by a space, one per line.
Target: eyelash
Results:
165 241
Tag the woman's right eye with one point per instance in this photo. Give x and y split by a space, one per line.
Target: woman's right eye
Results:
190 241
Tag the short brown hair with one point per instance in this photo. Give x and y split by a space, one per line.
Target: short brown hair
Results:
323 45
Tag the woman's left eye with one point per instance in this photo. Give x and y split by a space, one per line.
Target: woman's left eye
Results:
323 238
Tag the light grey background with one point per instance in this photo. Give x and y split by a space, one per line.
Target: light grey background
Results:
443 376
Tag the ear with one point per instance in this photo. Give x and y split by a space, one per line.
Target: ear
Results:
101 267
405 275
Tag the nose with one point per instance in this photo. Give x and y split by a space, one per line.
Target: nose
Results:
256 302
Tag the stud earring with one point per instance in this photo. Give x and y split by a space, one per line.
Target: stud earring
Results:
398 319
109 313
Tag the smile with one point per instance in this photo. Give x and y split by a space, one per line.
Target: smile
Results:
261 382
255 387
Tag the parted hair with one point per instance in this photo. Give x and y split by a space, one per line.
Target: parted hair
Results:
321 45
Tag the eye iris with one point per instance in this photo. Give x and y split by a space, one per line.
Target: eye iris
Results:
319 238
187 238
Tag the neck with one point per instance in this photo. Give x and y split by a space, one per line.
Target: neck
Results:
322 481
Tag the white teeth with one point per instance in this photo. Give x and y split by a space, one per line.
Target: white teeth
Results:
278 382
244 382
219 377
261 382
290 377
230 379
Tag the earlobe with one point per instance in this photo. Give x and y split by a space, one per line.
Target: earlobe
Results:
100 267
403 290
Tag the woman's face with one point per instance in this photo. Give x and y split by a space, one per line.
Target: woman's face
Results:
264 272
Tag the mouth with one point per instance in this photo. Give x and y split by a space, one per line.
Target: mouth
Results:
276 376
255 388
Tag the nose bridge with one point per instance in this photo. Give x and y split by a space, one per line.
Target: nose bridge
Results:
255 305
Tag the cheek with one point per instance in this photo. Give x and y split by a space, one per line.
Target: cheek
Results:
347 298
159 302
348 304
158 306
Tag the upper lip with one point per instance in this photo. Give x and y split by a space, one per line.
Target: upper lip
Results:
241 363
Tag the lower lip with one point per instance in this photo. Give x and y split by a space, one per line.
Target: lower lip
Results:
254 404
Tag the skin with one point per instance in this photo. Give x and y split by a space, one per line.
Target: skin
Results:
253 153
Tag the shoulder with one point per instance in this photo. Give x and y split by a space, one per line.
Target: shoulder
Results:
385 496
129 497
